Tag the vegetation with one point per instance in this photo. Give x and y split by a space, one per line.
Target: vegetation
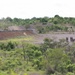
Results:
18 57
42 25
51 57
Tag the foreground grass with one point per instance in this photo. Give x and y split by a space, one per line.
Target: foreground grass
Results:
19 39
36 73
22 73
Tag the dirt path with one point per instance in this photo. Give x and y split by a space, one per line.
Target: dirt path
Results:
40 37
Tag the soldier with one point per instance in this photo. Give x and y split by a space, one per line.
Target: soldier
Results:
67 39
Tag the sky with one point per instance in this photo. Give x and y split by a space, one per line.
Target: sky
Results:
36 8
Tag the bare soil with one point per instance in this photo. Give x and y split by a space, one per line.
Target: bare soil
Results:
55 36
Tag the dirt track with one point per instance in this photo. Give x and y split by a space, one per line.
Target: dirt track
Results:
40 37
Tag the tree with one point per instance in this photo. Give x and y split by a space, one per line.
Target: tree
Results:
52 60
10 46
9 19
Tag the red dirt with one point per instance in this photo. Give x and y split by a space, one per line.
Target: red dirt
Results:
38 38
11 34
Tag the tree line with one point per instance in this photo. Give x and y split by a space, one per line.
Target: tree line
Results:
42 25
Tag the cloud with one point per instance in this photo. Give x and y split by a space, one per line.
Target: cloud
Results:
37 8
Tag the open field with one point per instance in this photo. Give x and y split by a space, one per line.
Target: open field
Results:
38 38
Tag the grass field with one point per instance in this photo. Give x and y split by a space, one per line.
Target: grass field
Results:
19 39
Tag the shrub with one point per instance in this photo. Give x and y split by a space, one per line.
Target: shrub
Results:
70 73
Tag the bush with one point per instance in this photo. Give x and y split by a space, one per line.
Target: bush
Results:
70 73
3 73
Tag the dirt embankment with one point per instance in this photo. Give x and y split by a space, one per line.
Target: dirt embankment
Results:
11 34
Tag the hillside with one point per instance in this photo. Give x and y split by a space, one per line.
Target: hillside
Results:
41 25
51 51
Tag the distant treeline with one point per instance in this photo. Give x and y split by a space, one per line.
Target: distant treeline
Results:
42 25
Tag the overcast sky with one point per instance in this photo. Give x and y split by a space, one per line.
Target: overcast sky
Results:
36 8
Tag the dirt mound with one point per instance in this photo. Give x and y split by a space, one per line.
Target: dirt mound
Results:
11 28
